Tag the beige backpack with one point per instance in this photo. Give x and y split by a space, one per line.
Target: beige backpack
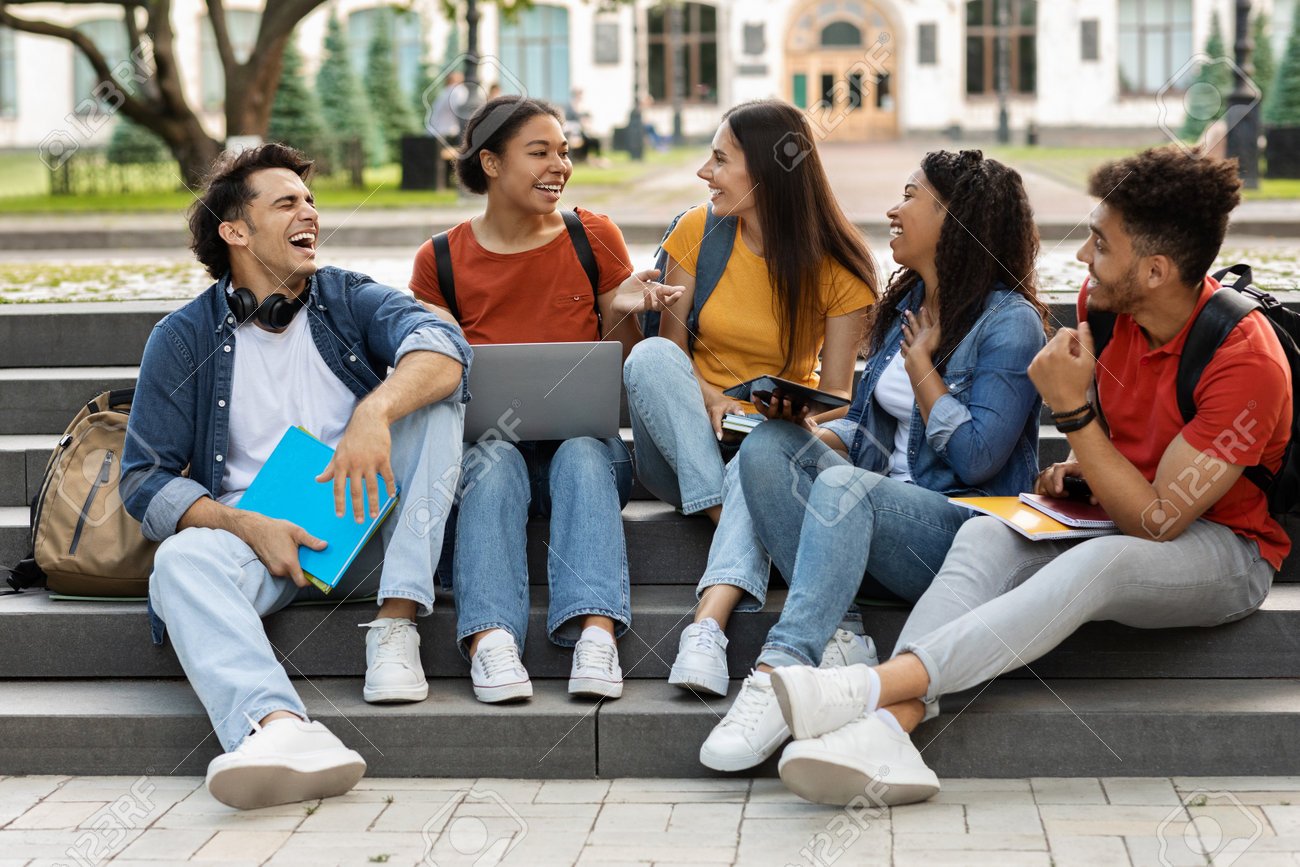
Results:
84 543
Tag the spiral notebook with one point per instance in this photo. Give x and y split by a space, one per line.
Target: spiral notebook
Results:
1028 521
286 488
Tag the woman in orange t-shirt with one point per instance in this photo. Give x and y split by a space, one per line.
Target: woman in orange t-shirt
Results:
518 279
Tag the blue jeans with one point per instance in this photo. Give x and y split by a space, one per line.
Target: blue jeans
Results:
679 461
582 485
211 590
826 524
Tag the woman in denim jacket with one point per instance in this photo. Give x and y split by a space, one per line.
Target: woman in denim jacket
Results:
944 409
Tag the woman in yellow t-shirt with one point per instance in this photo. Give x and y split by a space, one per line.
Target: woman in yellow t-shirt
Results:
796 289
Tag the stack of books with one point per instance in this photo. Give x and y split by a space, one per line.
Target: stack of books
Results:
741 424
1037 517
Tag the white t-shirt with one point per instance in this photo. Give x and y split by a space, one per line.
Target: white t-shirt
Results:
280 381
895 396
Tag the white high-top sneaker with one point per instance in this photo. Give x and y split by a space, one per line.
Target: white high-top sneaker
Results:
750 732
866 757
284 761
701 664
393 669
815 701
496 670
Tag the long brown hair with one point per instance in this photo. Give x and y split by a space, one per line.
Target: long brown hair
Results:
988 235
801 221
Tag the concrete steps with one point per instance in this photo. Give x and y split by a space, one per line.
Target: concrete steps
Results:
1011 729
111 639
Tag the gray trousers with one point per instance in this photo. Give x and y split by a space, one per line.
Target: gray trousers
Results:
1001 601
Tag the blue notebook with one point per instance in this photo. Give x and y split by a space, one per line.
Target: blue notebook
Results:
286 488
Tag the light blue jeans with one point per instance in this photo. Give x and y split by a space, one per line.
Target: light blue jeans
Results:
679 461
828 524
582 485
212 592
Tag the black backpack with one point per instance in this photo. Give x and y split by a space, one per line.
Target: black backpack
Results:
581 245
1212 326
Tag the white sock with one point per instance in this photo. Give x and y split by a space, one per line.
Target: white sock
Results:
890 720
595 633
762 678
871 684
710 623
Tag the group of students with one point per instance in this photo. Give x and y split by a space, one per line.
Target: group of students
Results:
959 360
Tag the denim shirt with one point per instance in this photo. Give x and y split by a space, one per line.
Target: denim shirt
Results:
180 416
982 436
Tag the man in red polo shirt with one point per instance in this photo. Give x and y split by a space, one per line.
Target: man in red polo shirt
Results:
1197 545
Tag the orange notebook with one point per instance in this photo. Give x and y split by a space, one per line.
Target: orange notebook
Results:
1028 521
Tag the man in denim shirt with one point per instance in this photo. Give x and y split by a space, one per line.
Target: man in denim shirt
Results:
314 348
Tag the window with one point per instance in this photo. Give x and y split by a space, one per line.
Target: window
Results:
841 34
1155 41
109 36
404 31
534 48
607 42
984 27
1089 49
8 74
242 26
699 45
927 44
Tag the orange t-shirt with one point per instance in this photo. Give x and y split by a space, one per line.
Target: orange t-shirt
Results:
1243 413
537 296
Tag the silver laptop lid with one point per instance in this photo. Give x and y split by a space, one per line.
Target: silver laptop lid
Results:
544 391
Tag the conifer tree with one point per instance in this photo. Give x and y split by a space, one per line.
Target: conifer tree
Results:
343 102
388 105
296 114
1264 61
132 143
1283 105
1208 93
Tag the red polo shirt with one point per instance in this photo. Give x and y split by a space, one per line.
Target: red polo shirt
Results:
1243 413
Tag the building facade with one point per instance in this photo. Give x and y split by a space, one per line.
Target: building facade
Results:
864 69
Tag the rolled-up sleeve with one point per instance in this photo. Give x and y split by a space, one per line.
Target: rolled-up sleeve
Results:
440 341
843 428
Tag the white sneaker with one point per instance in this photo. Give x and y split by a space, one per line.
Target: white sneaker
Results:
393 669
496 670
750 732
815 701
845 648
284 761
596 672
701 664
866 757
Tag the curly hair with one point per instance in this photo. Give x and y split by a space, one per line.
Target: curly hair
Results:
988 236
491 128
1172 203
226 194
802 223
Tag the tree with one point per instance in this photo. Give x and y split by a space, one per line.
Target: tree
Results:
1264 61
1208 93
391 108
158 101
296 113
1283 105
132 143
342 101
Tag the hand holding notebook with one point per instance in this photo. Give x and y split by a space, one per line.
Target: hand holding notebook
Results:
764 388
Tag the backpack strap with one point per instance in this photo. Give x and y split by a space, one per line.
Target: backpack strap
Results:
582 246
715 251
446 282
1102 325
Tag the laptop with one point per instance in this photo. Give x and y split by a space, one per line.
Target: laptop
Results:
544 391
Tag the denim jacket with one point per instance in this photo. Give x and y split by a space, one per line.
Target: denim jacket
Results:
180 416
982 436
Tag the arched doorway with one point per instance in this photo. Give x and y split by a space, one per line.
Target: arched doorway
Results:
840 61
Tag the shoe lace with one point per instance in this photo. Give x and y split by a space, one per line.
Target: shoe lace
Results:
750 704
705 639
596 654
496 660
390 646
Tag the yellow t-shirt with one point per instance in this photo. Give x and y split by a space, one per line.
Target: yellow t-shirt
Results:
739 334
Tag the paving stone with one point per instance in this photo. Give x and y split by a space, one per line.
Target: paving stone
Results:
1140 792
62 845
1000 786
165 845
1068 790
468 843
652 852
545 848
332 816
416 784
24 786
928 819
706 819
56 814
867 850
349 848
1088 851
1149 850
1284 821
1216 820
1111 820
1237 784
792 808
996 817
945 858
633 817
968 842
572 792
572 814
253 845
416 817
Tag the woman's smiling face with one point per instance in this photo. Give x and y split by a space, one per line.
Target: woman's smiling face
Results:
730 188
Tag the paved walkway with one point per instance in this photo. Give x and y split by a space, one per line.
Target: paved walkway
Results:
1060 822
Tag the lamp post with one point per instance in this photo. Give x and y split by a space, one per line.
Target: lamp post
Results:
635 122
472 91
678 77
1243 108
1004 70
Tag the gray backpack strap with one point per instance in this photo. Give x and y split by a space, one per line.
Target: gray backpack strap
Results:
715 251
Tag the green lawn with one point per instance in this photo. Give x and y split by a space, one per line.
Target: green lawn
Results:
24 187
